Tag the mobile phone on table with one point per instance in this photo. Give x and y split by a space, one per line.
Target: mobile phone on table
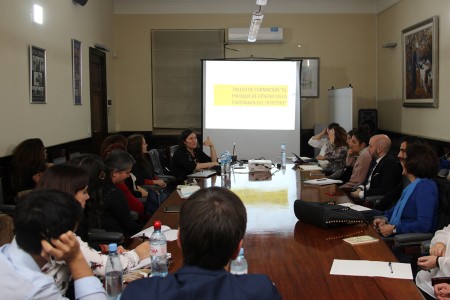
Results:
172 209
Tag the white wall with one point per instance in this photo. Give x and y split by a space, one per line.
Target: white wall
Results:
59 120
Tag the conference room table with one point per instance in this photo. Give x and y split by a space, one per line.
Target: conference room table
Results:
295 255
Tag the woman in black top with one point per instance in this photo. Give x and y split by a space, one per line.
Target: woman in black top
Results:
190 157
116 213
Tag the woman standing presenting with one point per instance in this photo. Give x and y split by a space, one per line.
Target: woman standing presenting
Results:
190 157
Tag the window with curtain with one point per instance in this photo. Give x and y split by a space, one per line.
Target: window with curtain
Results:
177 76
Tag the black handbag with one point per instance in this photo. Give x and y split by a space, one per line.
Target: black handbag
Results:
326 215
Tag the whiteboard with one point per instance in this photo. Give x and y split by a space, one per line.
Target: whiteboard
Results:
341 107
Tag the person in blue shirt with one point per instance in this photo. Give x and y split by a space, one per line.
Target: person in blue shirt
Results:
43 224
212 225
418 207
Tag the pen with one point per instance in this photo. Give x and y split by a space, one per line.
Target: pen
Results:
390 266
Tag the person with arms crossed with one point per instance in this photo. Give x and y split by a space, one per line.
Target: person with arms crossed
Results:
437 264
43 223
211 231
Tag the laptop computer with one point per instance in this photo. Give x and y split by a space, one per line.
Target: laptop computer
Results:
300 161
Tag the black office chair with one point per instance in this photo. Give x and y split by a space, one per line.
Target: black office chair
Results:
157 159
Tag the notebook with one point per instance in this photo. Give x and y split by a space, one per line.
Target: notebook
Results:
202 174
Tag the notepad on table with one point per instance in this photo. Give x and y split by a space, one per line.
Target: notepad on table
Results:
362 239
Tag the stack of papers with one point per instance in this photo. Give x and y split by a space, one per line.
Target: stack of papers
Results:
323 181
171 234
186 191
310 167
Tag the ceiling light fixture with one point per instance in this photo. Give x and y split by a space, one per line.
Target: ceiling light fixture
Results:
256 21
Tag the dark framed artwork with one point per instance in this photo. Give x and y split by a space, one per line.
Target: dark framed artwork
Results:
76 71
38 74
421 64
310 77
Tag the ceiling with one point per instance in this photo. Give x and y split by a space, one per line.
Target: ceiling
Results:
244 6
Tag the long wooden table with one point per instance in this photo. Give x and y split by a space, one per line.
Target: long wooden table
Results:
295 255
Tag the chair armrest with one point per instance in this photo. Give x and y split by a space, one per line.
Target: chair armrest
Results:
105 237
374 199
7 209
412 238
425 247
167 177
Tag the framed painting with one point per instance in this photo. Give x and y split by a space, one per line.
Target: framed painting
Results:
76 71
310 77
421 64
38 74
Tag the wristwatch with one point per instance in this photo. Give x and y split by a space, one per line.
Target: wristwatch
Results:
394 230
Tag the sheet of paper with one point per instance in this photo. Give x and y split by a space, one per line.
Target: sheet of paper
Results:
322 181
310 167
371 268
355 206
171 234
186 191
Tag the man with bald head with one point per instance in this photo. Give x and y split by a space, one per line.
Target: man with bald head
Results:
385 171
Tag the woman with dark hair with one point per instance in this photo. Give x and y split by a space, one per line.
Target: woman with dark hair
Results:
336 150
190 157
29 161
112 139
142 180
116 212
417 210
94 167
74 181
142 168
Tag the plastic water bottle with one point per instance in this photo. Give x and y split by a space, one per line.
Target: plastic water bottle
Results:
225 163
239 266
158 251
283 156
113 274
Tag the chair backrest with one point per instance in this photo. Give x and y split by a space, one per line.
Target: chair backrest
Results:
444 201
156 157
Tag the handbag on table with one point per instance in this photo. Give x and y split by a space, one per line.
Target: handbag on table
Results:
326 215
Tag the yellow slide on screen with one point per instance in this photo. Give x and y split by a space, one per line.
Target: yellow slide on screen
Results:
250 95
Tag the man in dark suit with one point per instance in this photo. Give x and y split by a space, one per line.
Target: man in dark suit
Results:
212 225
384 173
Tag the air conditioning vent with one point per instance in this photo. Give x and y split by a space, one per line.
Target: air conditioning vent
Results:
265 35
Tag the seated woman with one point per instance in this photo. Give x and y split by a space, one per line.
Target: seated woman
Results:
418 207
143 180
29 161
119 142
321 140
359 143
190 157
336 150
115 214
94 167
74 180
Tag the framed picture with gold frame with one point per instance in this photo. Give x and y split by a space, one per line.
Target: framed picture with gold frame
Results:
421 64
